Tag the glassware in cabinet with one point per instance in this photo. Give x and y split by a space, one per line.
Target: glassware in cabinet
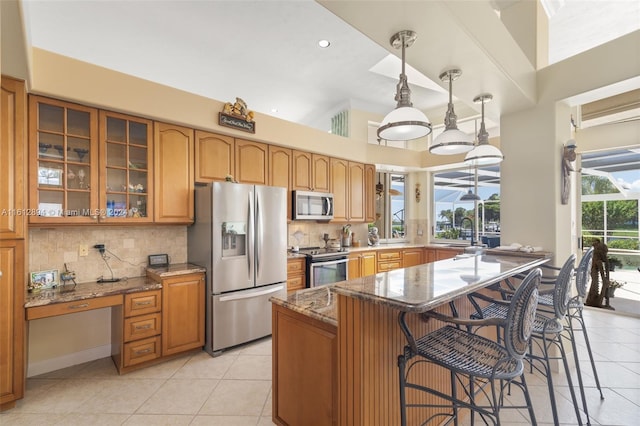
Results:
126 154
63 166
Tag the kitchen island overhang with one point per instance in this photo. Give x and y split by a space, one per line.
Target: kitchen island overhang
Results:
354 326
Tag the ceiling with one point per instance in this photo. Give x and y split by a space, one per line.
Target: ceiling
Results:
266 52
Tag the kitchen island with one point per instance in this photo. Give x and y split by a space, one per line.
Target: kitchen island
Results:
335 347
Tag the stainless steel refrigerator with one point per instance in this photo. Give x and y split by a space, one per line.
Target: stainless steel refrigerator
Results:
240 236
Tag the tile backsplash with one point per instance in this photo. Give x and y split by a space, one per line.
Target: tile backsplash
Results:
310 233
127 249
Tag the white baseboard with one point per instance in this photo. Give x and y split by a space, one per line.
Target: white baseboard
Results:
48 365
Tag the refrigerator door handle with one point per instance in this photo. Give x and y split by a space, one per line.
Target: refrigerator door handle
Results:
251 294
250 237
258 234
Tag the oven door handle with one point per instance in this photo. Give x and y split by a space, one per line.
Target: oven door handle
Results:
331 262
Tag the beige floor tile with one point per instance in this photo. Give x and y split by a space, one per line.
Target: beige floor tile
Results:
250 367
268 405
94 419
63 397
265 421
259 347
158 420
163 370
179 396
224 421
204 366
237 397
121 396
14 418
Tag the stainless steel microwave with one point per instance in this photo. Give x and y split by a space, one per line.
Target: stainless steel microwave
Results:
309 205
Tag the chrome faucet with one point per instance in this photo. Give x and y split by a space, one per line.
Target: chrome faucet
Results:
473 231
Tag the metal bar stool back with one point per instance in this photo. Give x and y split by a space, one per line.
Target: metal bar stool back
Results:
481 367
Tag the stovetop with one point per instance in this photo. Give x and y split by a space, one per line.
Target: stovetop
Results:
315 252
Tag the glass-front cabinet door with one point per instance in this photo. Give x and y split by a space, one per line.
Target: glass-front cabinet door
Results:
125 158
64 162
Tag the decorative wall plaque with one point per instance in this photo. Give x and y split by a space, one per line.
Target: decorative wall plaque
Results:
237 116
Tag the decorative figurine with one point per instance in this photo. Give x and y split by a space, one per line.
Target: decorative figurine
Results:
599 270
568 156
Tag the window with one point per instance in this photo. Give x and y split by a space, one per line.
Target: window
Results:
455 218
391 205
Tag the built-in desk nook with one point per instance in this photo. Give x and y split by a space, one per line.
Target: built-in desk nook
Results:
152 317
335 348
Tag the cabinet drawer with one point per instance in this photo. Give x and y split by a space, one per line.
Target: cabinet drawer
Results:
142 326
142 303
72 307
295 266
388 255
141 351
387 266
296 283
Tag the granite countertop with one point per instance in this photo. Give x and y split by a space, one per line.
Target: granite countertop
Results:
414 289
89 290
424 287
176 269
318 303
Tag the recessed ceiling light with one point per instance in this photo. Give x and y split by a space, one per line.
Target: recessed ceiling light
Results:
324 43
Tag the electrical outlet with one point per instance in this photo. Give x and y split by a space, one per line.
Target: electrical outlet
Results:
83 250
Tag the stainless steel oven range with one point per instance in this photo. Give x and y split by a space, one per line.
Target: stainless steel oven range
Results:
325 265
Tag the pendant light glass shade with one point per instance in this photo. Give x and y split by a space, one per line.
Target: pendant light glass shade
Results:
452 140
484 154
405 122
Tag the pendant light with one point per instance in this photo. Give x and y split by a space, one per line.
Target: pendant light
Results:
452 140
405 122
484 154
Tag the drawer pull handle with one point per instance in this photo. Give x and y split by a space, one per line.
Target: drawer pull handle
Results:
143 327
80 306
142 352
148 302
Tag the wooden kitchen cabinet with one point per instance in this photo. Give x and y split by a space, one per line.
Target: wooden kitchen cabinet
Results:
369 193
347 186
215 157
126 165
296 274
280 171
310 172
320 176
137 329
89 166
389 260
412 257
63 166
339 188
362 264
252 162
12 322
356 194
301 168
13 158
305 369
13 235
183 308
173 174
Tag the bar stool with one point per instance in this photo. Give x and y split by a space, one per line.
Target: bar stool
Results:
547 330
574 316
574 313
472 359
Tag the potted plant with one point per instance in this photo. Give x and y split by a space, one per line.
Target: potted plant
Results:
614 263
613 285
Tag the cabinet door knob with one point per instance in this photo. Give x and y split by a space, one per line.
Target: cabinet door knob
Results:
94 217
103 217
